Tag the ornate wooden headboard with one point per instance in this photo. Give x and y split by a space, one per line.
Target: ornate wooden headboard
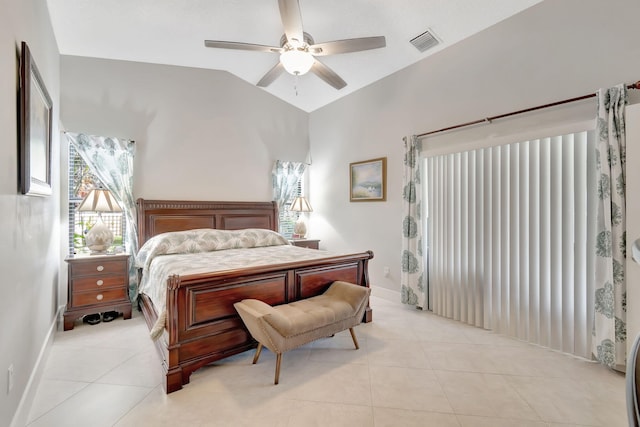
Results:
160 216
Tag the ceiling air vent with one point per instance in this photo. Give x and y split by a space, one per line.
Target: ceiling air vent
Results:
425 41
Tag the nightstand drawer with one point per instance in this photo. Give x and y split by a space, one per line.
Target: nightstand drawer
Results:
103 267
98 297
97 283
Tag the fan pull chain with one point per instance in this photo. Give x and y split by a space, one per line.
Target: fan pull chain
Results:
295 83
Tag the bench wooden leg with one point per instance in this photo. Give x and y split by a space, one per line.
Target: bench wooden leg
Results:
278 361
353 337
257 355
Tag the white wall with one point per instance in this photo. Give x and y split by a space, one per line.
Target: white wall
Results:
552 51
29 226
200 134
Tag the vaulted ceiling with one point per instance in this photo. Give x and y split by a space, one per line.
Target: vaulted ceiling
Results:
172 32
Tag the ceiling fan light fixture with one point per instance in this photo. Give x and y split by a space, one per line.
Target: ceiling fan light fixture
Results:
296 61
298 50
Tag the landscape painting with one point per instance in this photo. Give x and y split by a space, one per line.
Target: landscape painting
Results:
368 180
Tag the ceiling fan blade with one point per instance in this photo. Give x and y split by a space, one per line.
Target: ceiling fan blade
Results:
241 46
348 45
291 19
271 75
328 75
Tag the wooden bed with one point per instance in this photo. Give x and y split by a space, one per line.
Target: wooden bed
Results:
202 325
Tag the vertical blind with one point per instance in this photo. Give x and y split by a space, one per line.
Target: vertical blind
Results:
510 233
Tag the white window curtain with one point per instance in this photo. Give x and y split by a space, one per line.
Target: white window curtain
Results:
610 328
509 235
412 266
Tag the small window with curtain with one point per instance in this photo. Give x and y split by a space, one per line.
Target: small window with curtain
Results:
81 182
288 218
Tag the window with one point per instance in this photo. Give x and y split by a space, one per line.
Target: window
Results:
287 218
81 182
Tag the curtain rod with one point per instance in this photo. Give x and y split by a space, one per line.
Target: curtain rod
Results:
635 85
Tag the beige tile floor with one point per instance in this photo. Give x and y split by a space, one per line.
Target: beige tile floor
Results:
412 369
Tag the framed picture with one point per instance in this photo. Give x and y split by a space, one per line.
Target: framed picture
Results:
34 129
368 180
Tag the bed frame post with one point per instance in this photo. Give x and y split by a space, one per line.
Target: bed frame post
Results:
174 370
173 283
368 313
141 221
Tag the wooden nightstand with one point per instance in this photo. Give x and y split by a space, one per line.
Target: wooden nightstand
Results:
97 283
305 243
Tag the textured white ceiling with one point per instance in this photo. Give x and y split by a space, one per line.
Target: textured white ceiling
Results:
173 32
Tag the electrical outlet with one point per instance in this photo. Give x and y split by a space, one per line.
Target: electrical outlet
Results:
10 379
386 272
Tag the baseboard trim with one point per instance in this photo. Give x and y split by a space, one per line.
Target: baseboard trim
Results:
386 294
21 416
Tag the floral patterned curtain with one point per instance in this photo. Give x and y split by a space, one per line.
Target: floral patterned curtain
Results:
285 177
111 160
412 272
610 329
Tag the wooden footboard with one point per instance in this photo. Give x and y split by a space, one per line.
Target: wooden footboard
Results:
202 324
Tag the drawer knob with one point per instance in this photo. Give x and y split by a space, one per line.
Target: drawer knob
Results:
99 297
100 282
100 268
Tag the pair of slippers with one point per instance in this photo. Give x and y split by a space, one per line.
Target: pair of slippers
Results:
94 319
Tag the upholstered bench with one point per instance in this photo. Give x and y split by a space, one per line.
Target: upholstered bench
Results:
284 327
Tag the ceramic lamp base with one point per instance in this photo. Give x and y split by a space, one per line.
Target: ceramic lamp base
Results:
99 239
300 228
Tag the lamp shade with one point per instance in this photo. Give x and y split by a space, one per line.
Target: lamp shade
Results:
300 204
99 200
296 62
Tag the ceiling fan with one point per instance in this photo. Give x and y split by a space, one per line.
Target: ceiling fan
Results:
298 50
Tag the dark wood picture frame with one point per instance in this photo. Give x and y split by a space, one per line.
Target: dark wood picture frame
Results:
368 180
35 128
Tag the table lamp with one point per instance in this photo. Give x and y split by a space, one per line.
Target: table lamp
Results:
100 237
300 204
